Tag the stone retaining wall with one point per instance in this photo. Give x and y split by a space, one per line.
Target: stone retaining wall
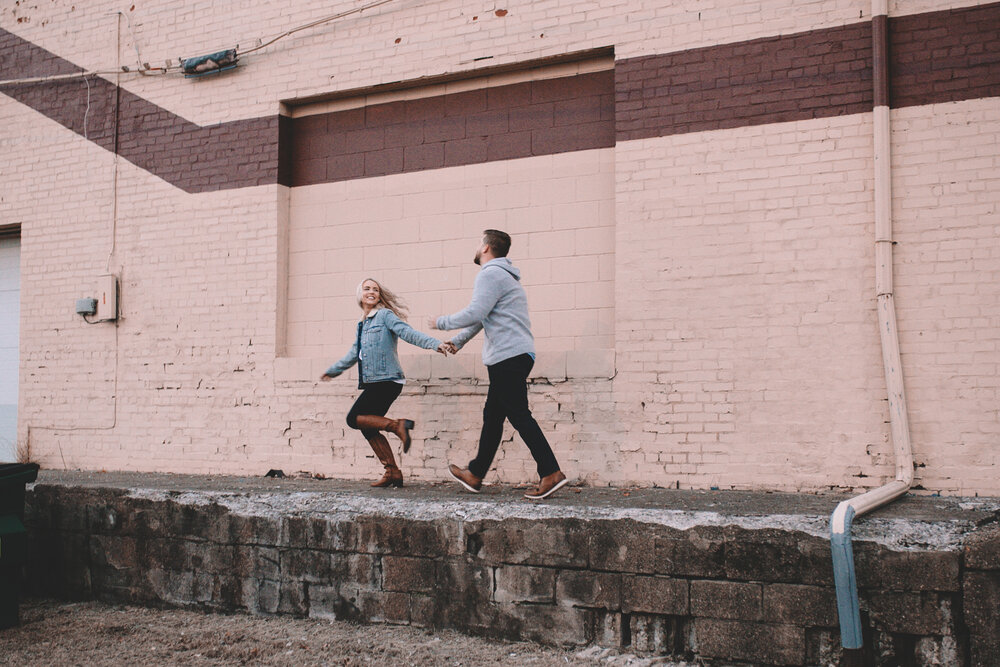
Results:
691 584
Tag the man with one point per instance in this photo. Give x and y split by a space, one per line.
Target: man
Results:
500 306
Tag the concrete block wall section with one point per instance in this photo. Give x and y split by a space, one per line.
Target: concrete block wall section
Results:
713 581
414 231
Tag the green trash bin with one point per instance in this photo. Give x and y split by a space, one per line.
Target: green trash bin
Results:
13 536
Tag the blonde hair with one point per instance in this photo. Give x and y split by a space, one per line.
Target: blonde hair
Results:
387 299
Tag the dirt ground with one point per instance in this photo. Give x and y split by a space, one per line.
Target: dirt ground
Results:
96 634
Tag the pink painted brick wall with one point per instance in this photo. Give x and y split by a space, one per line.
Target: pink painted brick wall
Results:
733 303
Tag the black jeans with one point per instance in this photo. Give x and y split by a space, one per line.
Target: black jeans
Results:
508 399
376 399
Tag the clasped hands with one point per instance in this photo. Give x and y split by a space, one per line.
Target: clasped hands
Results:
446 347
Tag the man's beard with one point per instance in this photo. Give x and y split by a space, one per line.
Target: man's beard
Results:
479 254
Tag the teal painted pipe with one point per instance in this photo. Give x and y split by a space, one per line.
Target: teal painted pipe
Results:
843 576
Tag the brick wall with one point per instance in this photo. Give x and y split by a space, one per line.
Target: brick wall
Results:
703 299
947 284
753 345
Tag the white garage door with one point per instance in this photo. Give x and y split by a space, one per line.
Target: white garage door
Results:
10 309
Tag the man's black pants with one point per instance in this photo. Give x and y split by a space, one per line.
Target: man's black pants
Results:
508 399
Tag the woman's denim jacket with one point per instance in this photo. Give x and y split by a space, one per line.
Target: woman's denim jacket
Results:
377 336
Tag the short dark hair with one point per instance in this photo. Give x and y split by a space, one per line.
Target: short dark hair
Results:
499 242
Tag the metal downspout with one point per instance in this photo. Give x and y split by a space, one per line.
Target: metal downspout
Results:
844 514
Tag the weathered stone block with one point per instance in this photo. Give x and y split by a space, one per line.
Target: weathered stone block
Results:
606 628
622 546
211 557
58 508
163 553
181 554
292 598
307 565
698 552
171 586
655 595
816 561
385 607
203 587
809 606
982 616
146 520
583 588
121 582
762 555
205 522
303 532
105 518
394 535
912 613
329 602
882 569
405 574
547 542
358 569
259 562
754 642
256 530
823 646
727 599
343 536
982 549
549 625
984 651
423 610
937 652
517 583
468 601
114 551
268 596
656 635
227 593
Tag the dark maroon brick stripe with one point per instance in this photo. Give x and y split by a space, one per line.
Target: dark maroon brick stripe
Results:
880 60
944 56
934 57
809 75
194 158
519 120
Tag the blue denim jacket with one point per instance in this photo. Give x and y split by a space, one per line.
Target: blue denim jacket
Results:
377 337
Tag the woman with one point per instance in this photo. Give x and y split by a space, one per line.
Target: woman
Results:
379 374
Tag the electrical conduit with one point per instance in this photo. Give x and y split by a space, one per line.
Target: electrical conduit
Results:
844 514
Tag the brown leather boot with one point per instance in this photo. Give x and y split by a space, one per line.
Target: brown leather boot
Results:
398 427
393 476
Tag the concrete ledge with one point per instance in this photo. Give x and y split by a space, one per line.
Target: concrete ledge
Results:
712 575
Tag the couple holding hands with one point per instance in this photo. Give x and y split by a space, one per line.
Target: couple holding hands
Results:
499 306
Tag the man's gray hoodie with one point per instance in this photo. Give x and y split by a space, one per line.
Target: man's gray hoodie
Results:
500 306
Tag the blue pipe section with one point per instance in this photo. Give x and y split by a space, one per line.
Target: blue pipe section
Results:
845 580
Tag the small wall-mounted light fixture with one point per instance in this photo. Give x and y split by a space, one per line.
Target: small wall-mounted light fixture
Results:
213 63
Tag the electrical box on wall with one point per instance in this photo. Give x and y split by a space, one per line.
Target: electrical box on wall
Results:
86 306
107 298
